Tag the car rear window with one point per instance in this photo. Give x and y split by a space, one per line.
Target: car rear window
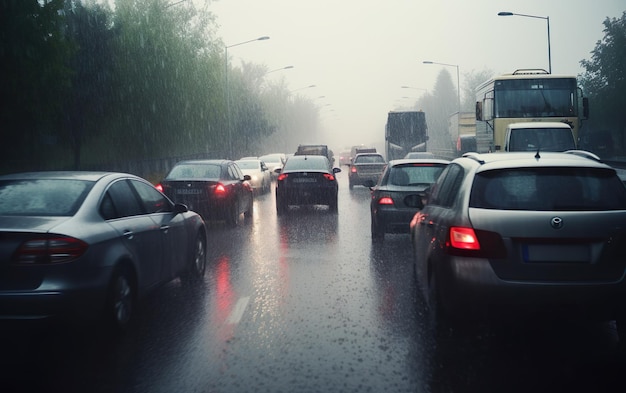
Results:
369 159
545 189
307 163
42 197
415 174
195 171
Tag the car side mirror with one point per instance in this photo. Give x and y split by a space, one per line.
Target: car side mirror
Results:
336 170
247 177
180 208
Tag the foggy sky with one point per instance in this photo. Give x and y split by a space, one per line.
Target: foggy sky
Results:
359 52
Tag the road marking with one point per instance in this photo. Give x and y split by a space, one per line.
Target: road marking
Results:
237 313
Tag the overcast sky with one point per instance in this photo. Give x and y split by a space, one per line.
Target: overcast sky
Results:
359 52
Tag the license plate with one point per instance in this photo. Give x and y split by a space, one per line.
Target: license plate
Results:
556 253
188 191
304 180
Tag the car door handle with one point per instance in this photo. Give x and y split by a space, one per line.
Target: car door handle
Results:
129 234
165 228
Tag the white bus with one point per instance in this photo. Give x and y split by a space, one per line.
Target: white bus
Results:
525 96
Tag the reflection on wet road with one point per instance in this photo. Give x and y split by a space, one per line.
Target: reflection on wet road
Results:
306 303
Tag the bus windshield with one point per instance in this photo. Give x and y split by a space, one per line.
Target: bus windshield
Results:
535 98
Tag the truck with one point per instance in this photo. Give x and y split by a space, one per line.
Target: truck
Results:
316 150
526 95
539 136
405 132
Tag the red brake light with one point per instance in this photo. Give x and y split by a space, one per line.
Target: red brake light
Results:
385 201
159 187
220 189
329 177
53 249
464 238
282 177
353 169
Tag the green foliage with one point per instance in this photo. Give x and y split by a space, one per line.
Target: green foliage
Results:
604 79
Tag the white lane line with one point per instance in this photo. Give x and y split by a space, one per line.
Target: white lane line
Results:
238 310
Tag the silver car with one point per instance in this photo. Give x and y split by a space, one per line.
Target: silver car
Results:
90 245
530 235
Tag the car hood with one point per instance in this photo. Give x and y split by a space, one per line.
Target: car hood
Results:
39 224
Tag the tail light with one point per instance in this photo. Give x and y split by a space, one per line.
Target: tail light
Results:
282 177
329 177
220 189
385 201
159 187
50 250
353 169
465 241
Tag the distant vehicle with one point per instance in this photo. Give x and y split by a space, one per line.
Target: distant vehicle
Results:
360 149
344 158
539 136
273 161
216 189
260 177
526 95
89 245
364 167
319 150
400 192
306 180
420 154
522 235
405 132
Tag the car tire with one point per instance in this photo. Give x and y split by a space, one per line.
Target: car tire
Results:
233 216
333 206
377 234
620 323
350 185
194 274
121 300
281 206
247 215
438 321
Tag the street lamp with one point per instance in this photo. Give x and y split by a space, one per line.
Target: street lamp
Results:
458 80
302 88
279 69
547 18
230 133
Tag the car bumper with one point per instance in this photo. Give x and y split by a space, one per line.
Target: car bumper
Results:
469 287
394 220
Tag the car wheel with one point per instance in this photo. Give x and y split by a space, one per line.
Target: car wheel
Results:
247 215
621 333
350 185
281 207
377 234
233 216
197 263
120 305
333 206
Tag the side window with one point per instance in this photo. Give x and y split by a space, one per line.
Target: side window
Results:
234 173
120 201
153 201
446 188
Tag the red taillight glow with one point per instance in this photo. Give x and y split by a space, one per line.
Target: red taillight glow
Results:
464 238
329 177
282 177
385 201
353 169
220 189
159 187
53 249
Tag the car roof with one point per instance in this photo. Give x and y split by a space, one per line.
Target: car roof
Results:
67 175
220 161
541 124
576 158
403 161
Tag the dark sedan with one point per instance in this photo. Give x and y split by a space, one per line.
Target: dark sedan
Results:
90 244
216 189
306 180
399 193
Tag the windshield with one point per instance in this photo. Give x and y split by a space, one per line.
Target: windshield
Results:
536 98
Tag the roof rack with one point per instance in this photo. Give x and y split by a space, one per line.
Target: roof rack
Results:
530 71
585 154
474 156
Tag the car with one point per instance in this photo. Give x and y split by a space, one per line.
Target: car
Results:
366 167
399 194
316 149
419 154
216 189
510 236
87 246
273 162
260 176
360 149
306 180
344 157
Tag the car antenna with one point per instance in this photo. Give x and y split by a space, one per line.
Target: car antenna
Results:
537 155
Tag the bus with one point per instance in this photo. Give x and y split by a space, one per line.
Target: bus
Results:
526 95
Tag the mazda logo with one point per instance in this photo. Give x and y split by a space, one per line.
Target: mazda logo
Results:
556 222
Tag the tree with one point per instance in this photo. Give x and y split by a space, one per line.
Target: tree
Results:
604 79
472 80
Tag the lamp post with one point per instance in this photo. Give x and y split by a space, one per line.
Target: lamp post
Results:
458 81
279 69
230 133
302 88
547 18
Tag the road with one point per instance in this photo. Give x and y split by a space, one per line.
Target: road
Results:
306 303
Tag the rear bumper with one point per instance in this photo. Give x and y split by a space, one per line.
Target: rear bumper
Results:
394 220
